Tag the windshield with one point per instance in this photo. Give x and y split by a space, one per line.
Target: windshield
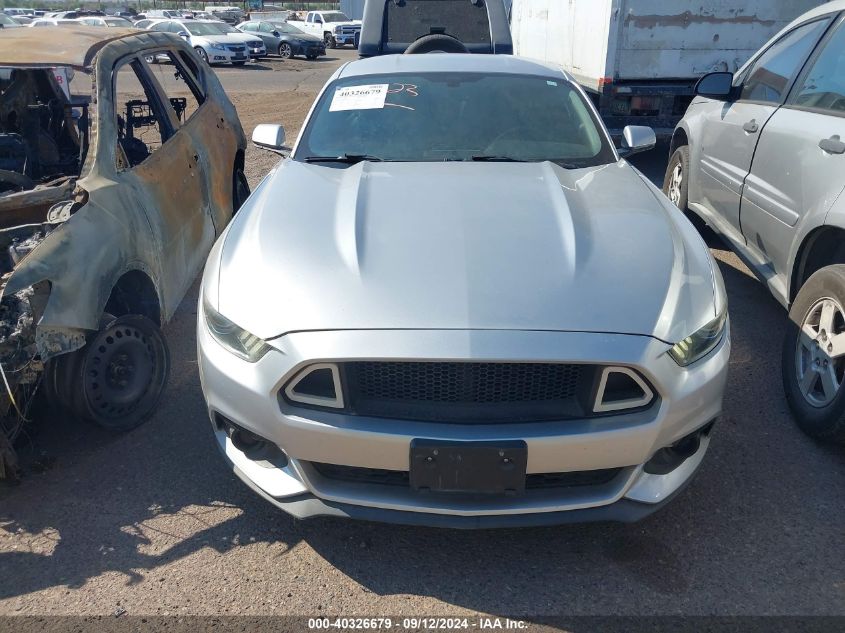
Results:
412 19
455 116
202 28
335 16
225 28
284 27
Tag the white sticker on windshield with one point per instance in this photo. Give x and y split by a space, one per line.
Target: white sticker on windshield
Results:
359 98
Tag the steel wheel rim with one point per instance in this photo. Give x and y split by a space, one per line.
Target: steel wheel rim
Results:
675 184
820 352
120 371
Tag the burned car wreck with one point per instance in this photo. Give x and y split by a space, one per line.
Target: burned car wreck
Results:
113 188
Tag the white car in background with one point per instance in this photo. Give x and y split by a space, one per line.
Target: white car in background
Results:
107 21
53 22
209 41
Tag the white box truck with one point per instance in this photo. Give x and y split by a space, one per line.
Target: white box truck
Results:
640 59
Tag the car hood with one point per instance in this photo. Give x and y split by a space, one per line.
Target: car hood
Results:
527 246
304 37
242 38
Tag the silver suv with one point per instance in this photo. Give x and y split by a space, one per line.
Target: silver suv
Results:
760 157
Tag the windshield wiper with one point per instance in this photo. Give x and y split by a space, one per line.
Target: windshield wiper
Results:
497 159
350 159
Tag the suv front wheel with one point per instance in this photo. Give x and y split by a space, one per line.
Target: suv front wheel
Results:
813 361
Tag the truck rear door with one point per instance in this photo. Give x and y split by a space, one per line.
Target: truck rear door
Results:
730 132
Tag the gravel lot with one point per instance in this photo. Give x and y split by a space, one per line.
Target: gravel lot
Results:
151 522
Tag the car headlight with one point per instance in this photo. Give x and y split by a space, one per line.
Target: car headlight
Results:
338 29
234 338
218 47
698 344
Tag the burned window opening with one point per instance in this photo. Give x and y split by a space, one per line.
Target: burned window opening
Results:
43 135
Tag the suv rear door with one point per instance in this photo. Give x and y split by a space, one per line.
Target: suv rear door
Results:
730 131
799 166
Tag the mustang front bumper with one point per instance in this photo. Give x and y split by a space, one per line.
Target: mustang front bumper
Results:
248 395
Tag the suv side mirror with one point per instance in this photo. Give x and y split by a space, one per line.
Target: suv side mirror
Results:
271 137
636 139
276 34
715 85
183 34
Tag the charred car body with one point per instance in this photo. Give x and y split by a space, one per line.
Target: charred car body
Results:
110 199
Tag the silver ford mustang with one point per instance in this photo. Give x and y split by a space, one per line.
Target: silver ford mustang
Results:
455 305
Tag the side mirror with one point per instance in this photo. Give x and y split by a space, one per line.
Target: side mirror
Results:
636 139
271 137
715 85
276 34
184 34
318 21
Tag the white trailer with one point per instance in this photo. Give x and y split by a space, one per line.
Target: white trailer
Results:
639 59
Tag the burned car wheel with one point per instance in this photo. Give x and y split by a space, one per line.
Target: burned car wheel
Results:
240 190
123 372
117 379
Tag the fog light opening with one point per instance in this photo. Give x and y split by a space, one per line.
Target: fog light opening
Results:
263 452
668 459
621 388
317 385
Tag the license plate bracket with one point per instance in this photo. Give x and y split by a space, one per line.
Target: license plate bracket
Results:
468 467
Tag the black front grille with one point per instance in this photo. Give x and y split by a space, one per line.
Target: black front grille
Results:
466 391
401 478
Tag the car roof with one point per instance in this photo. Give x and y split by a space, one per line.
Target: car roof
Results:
452 62
73 46
823 9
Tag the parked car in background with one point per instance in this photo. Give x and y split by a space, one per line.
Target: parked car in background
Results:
163 14
639 59
39 22
103 233
284 39
23 20
255 45
106 21
445 26
760 156
207 40
332 26
145 23
7 22
485 320
230 15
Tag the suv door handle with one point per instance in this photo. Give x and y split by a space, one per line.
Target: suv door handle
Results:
751 126
832 145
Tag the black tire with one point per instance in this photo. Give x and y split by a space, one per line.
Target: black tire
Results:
285 50
240 190
678 161
330 41
436 43
311 57
819 419
201 52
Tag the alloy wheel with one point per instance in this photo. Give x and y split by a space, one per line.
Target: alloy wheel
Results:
675 184
820 352
285 50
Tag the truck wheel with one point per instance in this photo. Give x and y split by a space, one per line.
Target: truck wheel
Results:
676 181
330 41
201 52
813 360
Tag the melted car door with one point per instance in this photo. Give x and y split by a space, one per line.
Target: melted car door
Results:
799 166
730 133
159 161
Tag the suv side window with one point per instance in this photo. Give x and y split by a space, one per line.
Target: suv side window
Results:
823 88
770 76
